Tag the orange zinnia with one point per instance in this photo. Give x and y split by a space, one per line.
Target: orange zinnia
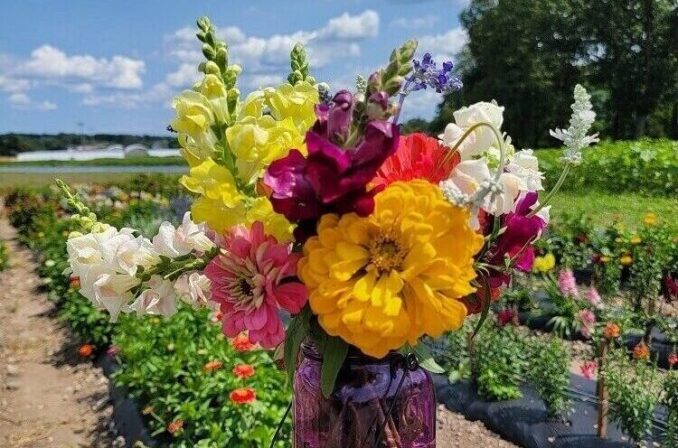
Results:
641 351
243 370
242 343
418 157
243 395
175 426
86 350
212 366
612 331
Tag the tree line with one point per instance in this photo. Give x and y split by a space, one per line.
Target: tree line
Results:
12 144
529 54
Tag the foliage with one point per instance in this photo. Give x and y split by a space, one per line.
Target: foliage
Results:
670 400
500 362
645 166
162 363
548 372
4 256
634 392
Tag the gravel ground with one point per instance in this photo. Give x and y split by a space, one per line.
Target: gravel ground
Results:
454 431
49 397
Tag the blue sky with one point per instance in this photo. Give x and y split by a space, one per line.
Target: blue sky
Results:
115 65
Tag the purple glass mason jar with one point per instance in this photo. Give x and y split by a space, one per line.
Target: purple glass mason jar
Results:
376 403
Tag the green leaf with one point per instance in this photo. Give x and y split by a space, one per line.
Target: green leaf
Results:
426 360
296 333
333 358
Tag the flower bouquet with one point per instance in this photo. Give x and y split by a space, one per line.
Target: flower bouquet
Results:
321 232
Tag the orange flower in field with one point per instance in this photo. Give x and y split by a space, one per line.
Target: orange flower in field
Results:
212 366
242 343
650 219
243 370
175 426
243 395
86 350
641 352
418 157
612 331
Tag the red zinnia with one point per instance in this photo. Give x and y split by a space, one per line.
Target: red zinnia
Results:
243 370
86 350
673 359
242 343
418 157
641 352
243 395
505 317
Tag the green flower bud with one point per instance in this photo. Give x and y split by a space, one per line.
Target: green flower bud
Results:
211 68
208 51
204 23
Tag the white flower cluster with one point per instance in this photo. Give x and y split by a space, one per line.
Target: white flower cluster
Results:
109 262
574 137
480 156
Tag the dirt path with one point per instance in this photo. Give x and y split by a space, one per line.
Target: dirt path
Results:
48 396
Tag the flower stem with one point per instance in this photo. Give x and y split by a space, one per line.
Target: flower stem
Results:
553 191
403 94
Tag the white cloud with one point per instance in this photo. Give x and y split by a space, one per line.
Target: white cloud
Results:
444 46
118 72
12 85
262 56
186 74
262 80
24 102
160 92
415 22
421 104
352 27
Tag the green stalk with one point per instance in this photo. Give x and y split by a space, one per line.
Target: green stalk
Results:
553 191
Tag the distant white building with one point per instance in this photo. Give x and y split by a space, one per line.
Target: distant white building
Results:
89 153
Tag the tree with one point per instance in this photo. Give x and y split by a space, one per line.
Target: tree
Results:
636 58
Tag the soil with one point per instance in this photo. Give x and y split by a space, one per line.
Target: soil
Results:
454 431
49 396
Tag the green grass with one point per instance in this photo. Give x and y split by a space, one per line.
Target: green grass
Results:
39 179
606 208
132 161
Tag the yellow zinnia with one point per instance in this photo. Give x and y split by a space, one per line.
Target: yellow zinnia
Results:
544 264
385 280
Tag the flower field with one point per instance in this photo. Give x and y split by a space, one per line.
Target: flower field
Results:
600 284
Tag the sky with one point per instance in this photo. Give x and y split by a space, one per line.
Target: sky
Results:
113 66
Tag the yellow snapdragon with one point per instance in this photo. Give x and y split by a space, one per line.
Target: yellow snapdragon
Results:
256 142
293 101
194 118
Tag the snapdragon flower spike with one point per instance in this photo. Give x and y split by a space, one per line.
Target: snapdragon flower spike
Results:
427 74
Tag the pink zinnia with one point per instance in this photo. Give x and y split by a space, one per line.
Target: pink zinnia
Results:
588 320
588 369
252 278
593 297
567 284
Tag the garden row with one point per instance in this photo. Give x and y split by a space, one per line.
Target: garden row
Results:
194 387
197 389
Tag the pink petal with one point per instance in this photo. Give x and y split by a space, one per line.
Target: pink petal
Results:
291 296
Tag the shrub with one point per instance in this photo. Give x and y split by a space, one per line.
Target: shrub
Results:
548 372
634 392
4 256
500 362
670 400
644 166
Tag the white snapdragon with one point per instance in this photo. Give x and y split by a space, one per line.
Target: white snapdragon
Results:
574 137
111 292
194 289
176 242
482 138
525 165
159 298
473 176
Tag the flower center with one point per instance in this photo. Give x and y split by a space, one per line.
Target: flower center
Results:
386 254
